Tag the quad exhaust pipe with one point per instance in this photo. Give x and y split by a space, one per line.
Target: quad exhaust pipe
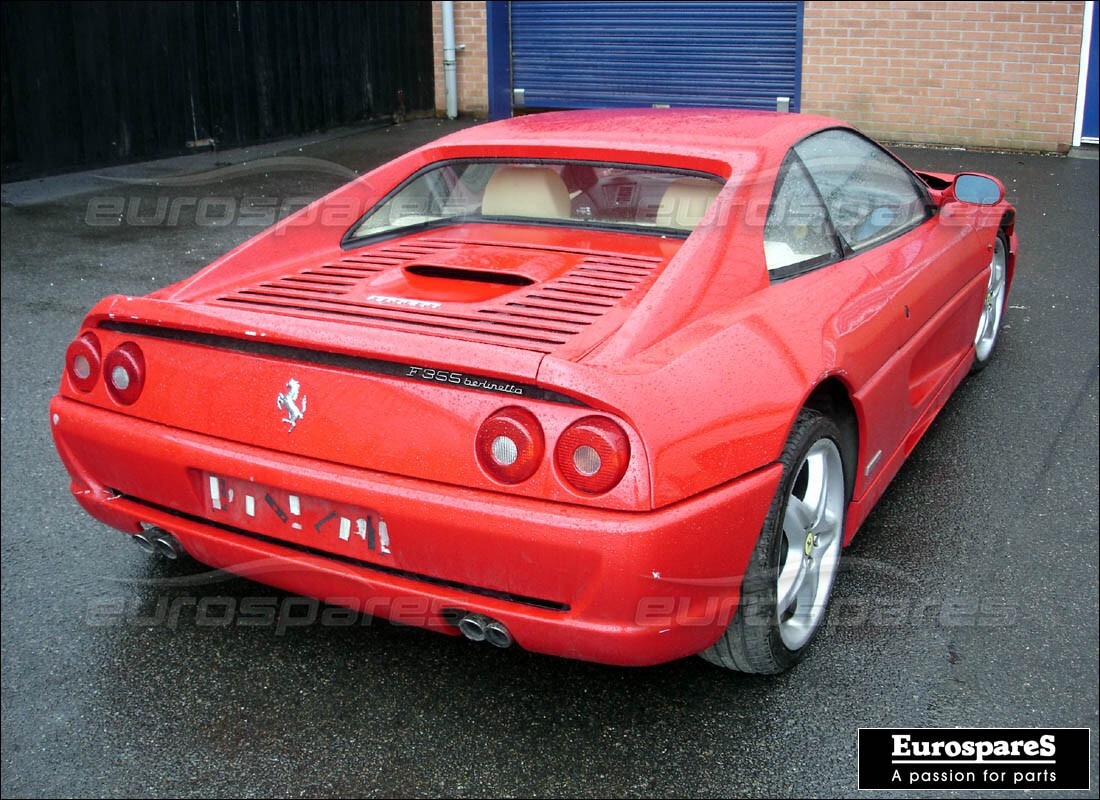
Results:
497 634
480 628
159 542
145 542
473 627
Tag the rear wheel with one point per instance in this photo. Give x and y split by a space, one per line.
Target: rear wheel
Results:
791 573
989 323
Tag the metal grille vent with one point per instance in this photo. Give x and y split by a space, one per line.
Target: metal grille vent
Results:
542 318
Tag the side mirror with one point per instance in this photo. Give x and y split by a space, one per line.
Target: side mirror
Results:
979 190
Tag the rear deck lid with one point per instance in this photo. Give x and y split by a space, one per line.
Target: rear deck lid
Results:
542 291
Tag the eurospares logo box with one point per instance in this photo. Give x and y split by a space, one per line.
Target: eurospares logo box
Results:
938 759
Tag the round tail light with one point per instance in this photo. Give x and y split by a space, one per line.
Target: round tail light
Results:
124 373
82 361
510 445
592 455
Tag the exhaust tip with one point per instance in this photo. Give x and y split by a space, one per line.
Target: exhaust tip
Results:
145 542
480 628
168 546
498 635
473 627
159 542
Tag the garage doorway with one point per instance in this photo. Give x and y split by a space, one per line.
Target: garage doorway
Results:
587 54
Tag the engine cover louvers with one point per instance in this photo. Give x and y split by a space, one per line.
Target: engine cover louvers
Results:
367 288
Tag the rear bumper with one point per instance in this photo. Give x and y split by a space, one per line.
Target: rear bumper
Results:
628 588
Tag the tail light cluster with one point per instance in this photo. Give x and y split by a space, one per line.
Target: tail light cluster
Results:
591 454
83 362
510 445
123 369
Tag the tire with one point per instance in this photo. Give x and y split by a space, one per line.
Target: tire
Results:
993 307
792 569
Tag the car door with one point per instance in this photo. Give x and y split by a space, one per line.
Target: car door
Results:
920 319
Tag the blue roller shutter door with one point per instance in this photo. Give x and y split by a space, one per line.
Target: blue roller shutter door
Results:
639 54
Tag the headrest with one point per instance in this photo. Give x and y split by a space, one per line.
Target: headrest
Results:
526 192
685 202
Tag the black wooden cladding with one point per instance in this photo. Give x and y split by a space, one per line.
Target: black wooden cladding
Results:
93 83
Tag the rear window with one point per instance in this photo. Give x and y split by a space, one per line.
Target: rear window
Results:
575 194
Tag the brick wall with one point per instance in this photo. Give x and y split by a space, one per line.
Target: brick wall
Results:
963 73
981 74
472 62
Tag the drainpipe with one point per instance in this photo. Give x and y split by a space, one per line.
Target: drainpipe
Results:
450 77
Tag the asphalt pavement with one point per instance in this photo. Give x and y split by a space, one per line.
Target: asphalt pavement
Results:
968 599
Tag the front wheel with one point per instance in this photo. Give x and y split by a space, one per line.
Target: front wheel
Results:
791 573
996 293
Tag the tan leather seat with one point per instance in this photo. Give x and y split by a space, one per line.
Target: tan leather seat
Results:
537 192
685 202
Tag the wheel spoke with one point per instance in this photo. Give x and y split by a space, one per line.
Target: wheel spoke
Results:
798 520
825 537
791 579
807 593
826 525
817 489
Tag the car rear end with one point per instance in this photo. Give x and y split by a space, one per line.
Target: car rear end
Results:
325 430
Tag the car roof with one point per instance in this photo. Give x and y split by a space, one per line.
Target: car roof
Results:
722 134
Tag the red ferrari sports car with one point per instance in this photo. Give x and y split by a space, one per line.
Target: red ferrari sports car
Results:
611 385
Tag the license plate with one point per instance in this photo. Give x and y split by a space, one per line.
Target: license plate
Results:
295 517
